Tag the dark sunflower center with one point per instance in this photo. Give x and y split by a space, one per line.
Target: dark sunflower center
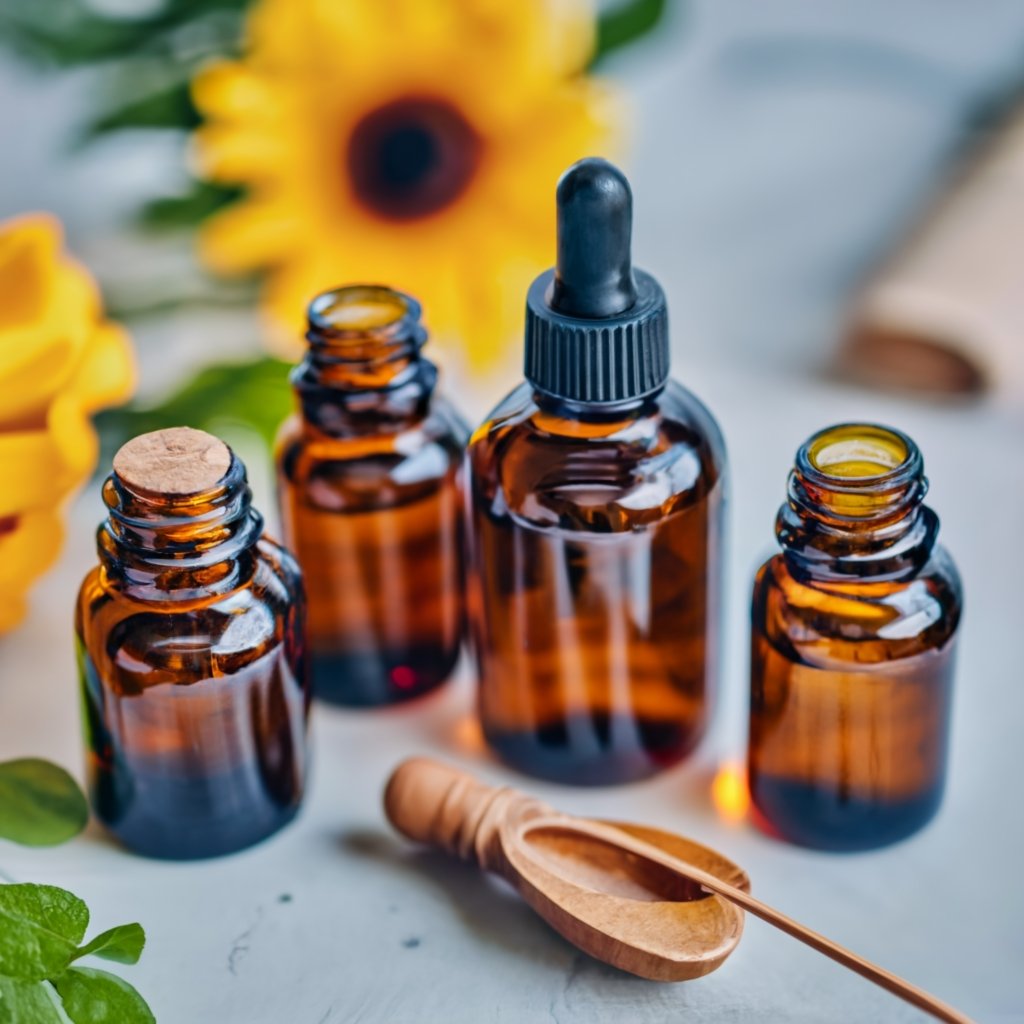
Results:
411 157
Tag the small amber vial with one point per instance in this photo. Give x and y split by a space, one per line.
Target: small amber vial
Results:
596 493
191 656
368 482
853 636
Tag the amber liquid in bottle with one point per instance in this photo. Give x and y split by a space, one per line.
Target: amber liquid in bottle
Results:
368 477
595 583
192 664
854 628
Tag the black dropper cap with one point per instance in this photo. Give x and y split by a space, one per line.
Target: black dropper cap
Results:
596 330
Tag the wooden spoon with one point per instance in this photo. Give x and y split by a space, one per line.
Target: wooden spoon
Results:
649 902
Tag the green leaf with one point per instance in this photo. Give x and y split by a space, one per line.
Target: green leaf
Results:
168 107
40 929
255 395
27 1002
189 209
625 23
71 33
40 804
123 944
96 997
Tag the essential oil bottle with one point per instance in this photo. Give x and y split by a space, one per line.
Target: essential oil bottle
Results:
595 495
191 656
368 482
853 640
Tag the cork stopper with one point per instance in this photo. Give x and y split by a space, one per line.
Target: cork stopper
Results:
176 461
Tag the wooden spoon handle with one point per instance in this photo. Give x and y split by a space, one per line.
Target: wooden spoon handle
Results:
442 806
865 968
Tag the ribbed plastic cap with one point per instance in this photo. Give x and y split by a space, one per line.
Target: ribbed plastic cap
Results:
596 330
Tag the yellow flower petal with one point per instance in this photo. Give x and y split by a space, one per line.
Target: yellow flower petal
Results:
41 466
245 237
105 374
26 552
59 361
282 121
28 250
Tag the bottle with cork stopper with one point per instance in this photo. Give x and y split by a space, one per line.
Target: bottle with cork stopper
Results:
368 484
596 494
190 637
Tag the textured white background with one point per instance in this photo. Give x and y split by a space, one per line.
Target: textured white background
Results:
778 147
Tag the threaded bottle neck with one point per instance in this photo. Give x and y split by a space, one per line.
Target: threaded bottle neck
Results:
361 337
363 364
178 546
855 505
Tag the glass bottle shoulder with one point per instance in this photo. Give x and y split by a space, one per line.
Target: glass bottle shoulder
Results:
869 620
550 467
191 634
406 453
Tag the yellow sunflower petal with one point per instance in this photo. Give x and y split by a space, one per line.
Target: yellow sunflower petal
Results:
245 237
229 154
228 89
512 72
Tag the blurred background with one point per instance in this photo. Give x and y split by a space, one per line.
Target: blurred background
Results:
778 152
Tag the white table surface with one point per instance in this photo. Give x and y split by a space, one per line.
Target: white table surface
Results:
764 184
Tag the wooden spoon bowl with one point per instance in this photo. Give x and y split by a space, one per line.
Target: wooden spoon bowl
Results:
619 906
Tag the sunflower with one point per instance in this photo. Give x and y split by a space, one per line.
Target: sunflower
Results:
415 144
59 361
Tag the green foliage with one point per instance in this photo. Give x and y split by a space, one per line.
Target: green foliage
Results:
625 23
71 33
255 395
167 107
190 208
40 804
122 944
96 997
41 928
28 1002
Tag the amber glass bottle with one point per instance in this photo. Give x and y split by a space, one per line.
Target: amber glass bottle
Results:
368 479
190 642
595 494
854 628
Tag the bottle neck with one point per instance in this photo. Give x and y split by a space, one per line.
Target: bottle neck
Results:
590 419
364 361
855 507
179 547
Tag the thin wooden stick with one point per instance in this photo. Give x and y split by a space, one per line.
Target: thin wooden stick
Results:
865 968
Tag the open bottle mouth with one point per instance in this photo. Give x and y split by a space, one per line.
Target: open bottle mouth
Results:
361 310
855 496
858 471
857 451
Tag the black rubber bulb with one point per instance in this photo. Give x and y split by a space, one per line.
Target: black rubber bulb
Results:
594 273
